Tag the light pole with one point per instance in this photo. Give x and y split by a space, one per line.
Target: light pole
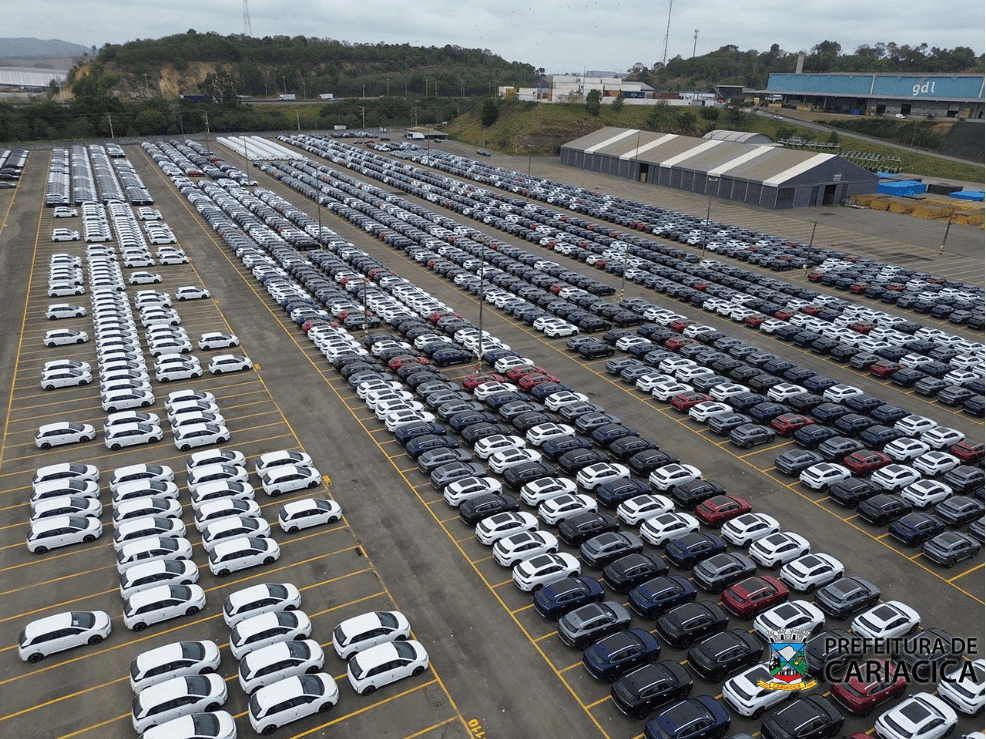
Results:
147 92
710 183
482 299
388 87
623 282
304 89
462 88
285 83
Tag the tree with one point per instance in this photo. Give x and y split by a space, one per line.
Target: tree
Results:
687 121
833 138
593 102
489 112
618 102
709 113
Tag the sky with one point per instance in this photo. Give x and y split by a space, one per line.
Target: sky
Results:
558 36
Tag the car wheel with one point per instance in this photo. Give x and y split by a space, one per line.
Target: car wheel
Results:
165 379
222 573
115 447
325 707
759 712
85 438
50 343
292 529
217 371
181 297
191 610
78 341
196 375
46 445
185 447
274 493
417 671
269 729
88 539
139 626
35 658
368 690
84 383
145 404
536 588
313 484
268 560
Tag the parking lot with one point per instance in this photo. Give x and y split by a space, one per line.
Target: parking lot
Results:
497 668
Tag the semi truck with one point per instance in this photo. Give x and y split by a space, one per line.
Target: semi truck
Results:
325 96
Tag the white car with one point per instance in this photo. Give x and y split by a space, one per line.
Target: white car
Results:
62 631
811 571
532 574
206 725
308 512
666 477
775 550
397 419
591 477
921 716
915 425
217 340
489 389
965 689
223 363
537 435
490 445
257 599
181 396
494 528
289 477
64 310
119 400
457 492
841 393
215 473
924 493
66 505
65 377
144 506
63 432
65 212
744 530
192 293
144 278
124 418
557 401
140 489
535 492
664 527
556 509
162 603
218 490
230 528
132 434
241 553
501 461
178 697
796 614
178 659
368 630
152 549
895 476
279 661
64 234
744 694
291 699
191 435
515 548
785 390
886 620
905 449
268 628
386 663
824 474
64 472
223 508
942 437
702 412
639 508
187 370
648 382
142 527
157 573
667 390
63 336
935 463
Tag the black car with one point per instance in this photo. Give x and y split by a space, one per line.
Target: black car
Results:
812 717
629 571
878 436
639 692
645 462
461 421
838 447
804 402
449 472
813 435
750 435
916 527
519 475
602 549
686 624
528 420
557 447
572 461
927 654
950 547
405 434
626 447
570 412
592 622
611 494
743 402
690 549
474 510
767 411
959 510
963 479
654 597
829 412
618 653
429 442
690 494
596 350
474 433
846 596
850 493
724 423
719 571
718 655
509 411
829 652
883 508
591 421
889 414
555 600
579 528
796 461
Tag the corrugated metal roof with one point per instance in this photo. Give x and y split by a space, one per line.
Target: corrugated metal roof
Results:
28 77
797 169
740 137
615 138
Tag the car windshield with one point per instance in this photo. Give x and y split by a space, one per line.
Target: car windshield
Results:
83 619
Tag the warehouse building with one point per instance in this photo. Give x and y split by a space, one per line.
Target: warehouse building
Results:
762 175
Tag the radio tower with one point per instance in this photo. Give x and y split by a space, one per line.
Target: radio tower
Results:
247 28
667 33
694 45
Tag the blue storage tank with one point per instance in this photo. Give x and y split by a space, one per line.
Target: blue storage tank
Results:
977 195
903 188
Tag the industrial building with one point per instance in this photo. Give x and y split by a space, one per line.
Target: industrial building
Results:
901 95
30 80
762 175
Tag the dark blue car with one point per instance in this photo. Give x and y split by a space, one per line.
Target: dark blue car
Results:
690 549
555 600
618 653
916 527
555 448
661 594
611 494
700 717
405 434
460 421
421 444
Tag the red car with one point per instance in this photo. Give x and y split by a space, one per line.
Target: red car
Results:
862 327
515 373
683 401
471 382
755 321
884 368
397 362
865 461
784 315
969 451
680 324
556 288
862 697
438 315
811 310
815 276
529 381
676 343
787 423
719 509
857 288
753 595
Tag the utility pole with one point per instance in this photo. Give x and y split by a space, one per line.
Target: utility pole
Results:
110 119
363 113
695 45
941 251
712 181
206 123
